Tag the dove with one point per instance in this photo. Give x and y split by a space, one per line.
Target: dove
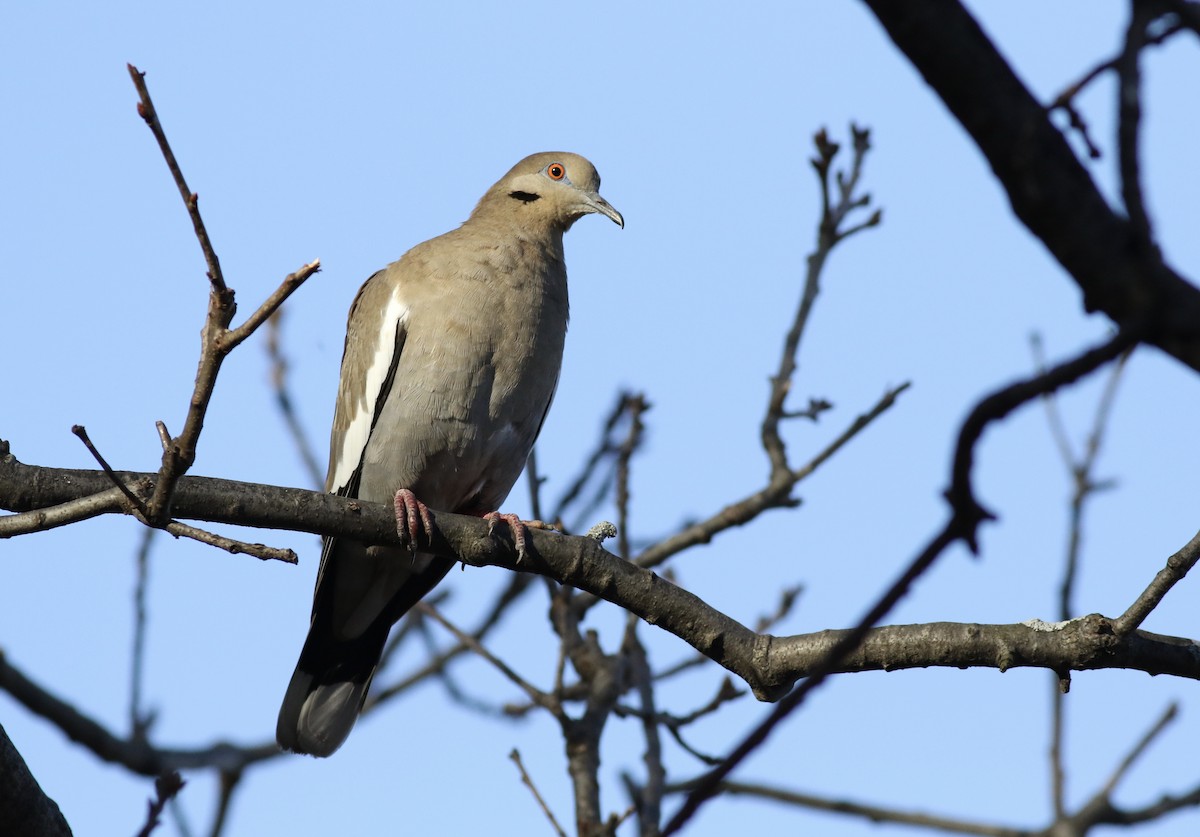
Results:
451 360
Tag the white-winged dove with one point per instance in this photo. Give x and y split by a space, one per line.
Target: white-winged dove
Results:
452 357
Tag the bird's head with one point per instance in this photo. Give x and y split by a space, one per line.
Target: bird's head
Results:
554 187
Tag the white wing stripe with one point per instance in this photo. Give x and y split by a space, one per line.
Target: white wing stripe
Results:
354 442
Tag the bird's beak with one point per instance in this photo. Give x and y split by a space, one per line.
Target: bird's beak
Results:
596 203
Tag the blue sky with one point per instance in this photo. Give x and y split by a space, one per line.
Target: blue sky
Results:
351 134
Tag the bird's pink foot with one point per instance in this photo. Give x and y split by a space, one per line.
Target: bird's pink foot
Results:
519 528
412 518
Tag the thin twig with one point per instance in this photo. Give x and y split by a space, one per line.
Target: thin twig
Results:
139 720
648 797
603 450
135 501
1084 485
1058 734
230 340
230 780
454 691
535 694
829 234
528 782
874 813
166 787
434 666
635 405
184 530
1065 100
283 399
234 547
1177 567
164 435
1168 715
788 597
147 111
776 494
534 479
675 724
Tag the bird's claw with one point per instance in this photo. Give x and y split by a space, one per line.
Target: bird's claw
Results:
519 529
412 518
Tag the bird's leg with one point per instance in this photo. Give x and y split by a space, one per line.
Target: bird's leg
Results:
412 517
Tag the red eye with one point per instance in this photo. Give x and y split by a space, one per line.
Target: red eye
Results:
556 171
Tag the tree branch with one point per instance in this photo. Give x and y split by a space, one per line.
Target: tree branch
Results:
133 753
1051 192
24 806
769 665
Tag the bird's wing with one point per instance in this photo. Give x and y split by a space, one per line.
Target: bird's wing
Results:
374 343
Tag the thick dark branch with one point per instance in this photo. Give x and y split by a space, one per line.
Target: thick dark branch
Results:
1050 190
968 513
1129 120
24 807
769 665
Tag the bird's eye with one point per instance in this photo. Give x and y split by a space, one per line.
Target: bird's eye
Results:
556 171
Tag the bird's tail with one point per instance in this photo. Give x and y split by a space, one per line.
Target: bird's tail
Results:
328 689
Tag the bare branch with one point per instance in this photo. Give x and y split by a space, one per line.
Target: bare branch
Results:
283 399
528 782
829 233
81 431
874 813
139 721
1168 715
232 339
24 806
134 754
147 111
775 495
968 513
1049 189
579 562
547 701
603 450
233 547
166 787
1084 485
217 340
230 781
636 405
647 797
49 517
1129 117
1177 567
1065 100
